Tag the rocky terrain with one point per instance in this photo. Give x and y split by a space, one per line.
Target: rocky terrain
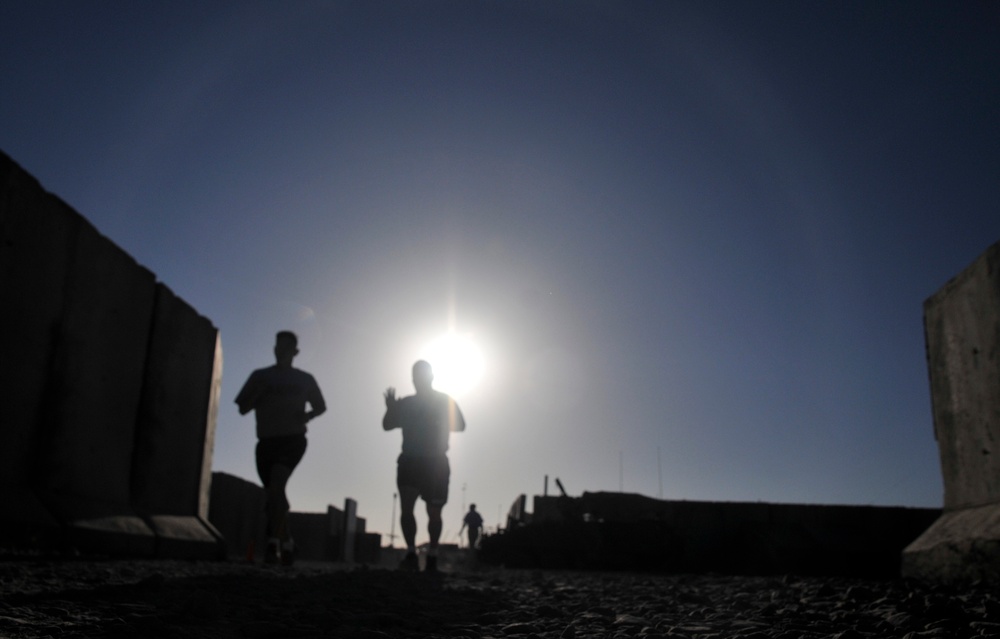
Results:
111 598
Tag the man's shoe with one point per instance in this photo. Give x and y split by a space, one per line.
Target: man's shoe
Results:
409 562
431 565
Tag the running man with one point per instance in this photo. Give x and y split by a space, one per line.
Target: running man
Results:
426 419
279 395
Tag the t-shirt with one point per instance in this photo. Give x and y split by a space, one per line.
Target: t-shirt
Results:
426 420
278 396
473 520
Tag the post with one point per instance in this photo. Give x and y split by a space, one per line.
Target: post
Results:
659 473
392 524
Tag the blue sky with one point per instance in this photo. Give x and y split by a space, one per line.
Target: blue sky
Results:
691 240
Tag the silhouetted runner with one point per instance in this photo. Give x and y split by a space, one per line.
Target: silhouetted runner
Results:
474 522
279 395
426 419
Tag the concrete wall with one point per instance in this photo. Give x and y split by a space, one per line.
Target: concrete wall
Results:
110 385
620 531
237 511
962 330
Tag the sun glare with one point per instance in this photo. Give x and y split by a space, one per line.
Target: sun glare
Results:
457 362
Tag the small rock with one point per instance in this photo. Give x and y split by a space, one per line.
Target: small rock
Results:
630 620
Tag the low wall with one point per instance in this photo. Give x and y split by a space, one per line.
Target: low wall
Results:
237 511
111 389
616 531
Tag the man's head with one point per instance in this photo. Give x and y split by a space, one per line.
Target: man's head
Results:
423 376
286 347
472 507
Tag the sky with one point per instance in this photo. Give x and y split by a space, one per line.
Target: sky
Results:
687 244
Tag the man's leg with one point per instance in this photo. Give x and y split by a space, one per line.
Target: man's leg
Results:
407 520
277 502
408 524
435 496
434 524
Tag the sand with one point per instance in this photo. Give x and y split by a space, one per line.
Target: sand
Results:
42 597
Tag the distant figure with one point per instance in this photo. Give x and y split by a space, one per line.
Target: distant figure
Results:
474 522
279 395
422 469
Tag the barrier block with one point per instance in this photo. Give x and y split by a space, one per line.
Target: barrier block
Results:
962 328
119 535
175 426
186 537
95 379
236 510
89 424
962 331
37 231
962 545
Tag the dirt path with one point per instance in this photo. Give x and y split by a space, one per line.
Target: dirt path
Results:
43 598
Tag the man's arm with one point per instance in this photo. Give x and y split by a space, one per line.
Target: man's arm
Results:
391 419
456 421
246 399
316 401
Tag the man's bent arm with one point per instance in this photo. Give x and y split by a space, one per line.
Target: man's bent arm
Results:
317 403
247 396
456 421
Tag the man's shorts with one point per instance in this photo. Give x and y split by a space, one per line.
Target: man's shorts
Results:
429 475
284 451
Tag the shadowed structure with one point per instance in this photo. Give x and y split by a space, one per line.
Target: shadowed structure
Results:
962 326
111 387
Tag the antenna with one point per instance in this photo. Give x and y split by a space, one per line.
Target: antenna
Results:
392 524
621 473
659 472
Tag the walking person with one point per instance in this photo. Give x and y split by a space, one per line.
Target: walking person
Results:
474 522
278 395
427 419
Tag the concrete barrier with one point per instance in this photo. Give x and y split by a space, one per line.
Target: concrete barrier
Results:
87 441
175 427
91 399
237 511
621 531
962 330
35 250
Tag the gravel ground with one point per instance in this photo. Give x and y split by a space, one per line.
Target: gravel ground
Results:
74 598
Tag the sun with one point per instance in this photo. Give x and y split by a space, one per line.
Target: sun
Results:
457 362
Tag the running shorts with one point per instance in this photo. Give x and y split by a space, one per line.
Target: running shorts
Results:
286 451
429 475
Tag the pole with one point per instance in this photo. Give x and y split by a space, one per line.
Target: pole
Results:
392 524
621 473
659 472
